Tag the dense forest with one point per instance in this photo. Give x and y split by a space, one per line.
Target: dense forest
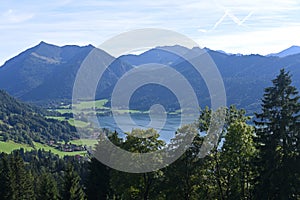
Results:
249 162
25 123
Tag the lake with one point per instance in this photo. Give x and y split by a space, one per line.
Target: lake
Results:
166 127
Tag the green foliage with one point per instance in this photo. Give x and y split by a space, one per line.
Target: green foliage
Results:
6 181
17 182
143 185
278 141
236 157
25 124
47 187
98 180
182 176
9 146
22 179
244 163
227 172
72 190
36 175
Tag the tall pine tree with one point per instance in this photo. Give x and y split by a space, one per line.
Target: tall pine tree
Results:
7 188
98 180
277 129
16 182
47 188
72 190
23 182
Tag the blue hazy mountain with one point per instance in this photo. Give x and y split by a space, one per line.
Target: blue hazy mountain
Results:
45 73
162 55
293 50
244 76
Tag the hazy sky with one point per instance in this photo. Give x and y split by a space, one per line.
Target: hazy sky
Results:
247 26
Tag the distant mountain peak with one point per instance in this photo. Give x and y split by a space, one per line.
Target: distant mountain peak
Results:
287 52
43 43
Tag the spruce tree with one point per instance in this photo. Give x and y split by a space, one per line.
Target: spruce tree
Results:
98 180
72 189
22 181
7 188
47 188
277 129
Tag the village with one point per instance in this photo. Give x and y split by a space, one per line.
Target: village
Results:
67 146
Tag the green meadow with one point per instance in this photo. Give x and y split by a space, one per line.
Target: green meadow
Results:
9 146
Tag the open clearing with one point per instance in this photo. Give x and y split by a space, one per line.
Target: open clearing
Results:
9 146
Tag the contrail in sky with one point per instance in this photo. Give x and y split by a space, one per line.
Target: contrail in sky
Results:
232 17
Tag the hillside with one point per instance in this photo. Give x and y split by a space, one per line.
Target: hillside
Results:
244 76
45 75
22 123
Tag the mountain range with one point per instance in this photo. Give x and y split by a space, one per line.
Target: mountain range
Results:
45 74
287 52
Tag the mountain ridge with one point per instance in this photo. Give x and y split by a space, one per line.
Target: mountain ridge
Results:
37 79
293 50
45 74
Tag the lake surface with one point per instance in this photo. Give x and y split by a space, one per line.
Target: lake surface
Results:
166 127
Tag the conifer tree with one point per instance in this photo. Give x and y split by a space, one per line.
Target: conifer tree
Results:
98 180
22 181
47 188
278 141
6 179
72 189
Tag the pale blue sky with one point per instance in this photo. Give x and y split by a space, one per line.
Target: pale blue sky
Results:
248 26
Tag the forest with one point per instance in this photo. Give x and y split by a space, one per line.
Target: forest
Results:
24 123
259 161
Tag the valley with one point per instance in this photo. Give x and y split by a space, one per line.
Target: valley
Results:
150 100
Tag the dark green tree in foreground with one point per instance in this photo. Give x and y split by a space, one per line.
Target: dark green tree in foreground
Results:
98 180
16 182
183 174
47 188
236 159
6 181
23 184
278 141
72 189
227 172
138 185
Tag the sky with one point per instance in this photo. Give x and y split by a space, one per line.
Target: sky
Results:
247 26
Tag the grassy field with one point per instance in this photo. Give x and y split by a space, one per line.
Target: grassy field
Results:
79 123
55 151
9 146
83 106
98 104
87 142
57 118
63 110
86 106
